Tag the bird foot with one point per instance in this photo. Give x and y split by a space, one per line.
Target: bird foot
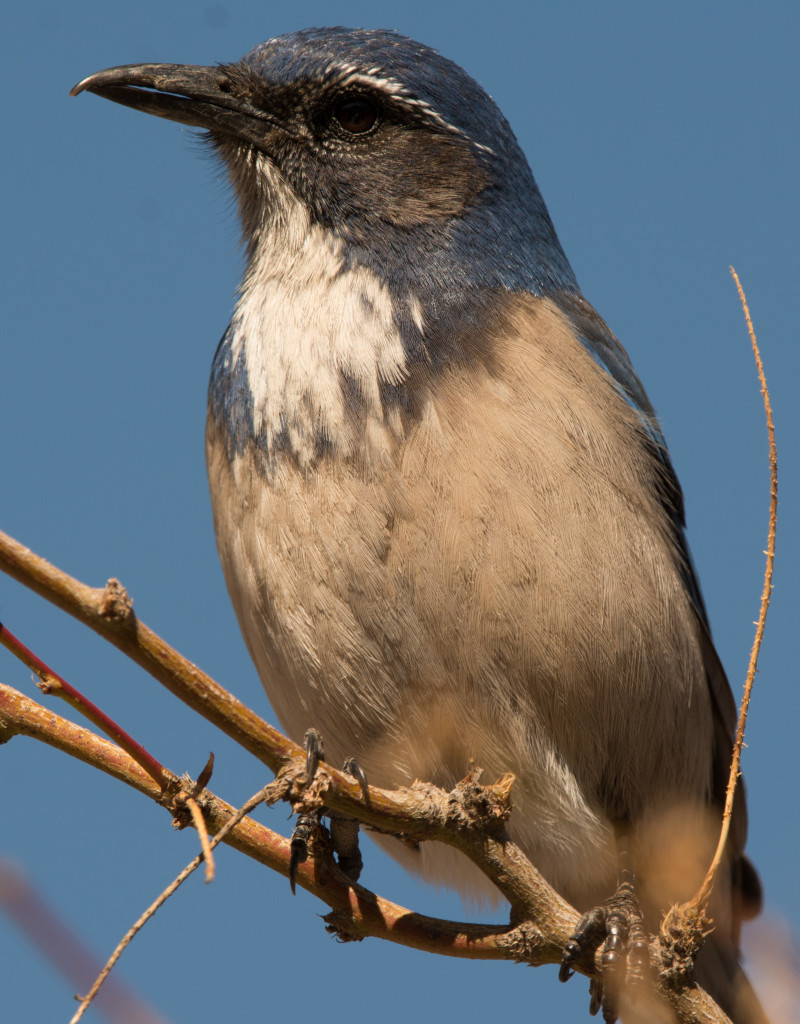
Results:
617 926
344 830
307 823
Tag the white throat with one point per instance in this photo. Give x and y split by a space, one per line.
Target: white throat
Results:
308 325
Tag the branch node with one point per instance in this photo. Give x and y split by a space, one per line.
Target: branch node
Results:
342 925
116 604
179 803
279 788
7 730
47 684
524 943
304 794
479 808
682 934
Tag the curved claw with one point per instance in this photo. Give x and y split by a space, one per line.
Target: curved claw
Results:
572 952
585 939
315 752
354 769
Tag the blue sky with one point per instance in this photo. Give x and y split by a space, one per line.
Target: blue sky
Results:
664 138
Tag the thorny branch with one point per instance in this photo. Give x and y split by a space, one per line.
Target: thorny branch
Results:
691 917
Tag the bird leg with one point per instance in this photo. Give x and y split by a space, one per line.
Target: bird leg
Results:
307 823
343 830
618 927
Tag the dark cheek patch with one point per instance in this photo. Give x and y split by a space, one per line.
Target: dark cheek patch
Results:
420 177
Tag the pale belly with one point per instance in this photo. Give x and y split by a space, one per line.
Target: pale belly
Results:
507 598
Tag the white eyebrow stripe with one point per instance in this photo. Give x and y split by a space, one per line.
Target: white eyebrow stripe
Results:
376 78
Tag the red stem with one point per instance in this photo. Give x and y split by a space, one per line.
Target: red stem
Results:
52 682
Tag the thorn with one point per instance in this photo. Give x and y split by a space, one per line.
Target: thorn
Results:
204 777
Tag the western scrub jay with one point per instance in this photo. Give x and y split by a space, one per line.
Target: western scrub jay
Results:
446 513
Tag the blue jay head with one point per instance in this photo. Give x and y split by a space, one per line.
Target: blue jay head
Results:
383 143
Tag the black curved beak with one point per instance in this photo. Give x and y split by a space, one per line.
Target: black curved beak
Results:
217 98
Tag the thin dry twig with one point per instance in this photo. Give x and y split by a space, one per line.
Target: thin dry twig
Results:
127 938
199 823
51 682
690 920
701 899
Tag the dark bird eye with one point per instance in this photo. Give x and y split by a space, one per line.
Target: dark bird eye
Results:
356 115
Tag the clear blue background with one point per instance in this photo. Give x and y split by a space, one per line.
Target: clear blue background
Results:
665 141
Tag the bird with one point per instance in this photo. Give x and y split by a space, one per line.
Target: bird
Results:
445 509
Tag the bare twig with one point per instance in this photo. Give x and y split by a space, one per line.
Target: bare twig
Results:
701 899
205 845
127 938
109 612
691 918
51 682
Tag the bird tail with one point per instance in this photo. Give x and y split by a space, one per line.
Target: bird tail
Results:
720 973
